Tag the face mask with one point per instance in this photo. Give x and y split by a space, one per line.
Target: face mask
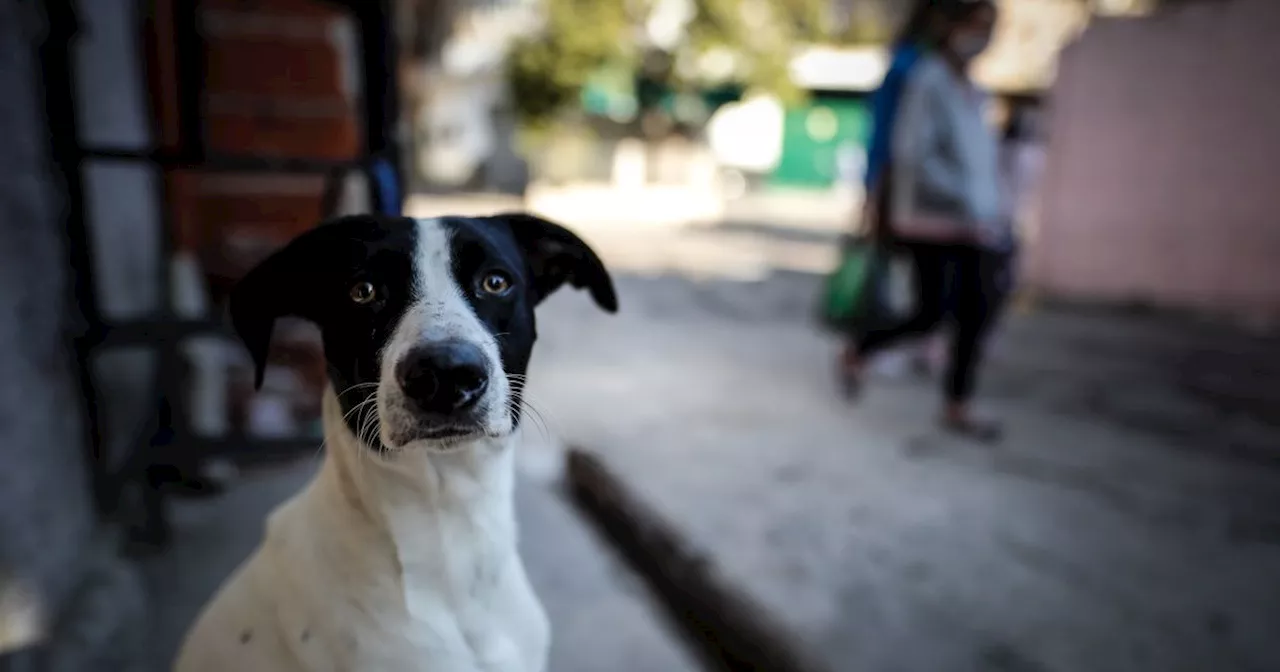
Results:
967 45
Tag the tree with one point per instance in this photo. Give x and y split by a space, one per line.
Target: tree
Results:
546 72
752 39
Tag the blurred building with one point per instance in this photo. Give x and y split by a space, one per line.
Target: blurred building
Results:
467 136
1030 34
465 128
1160 186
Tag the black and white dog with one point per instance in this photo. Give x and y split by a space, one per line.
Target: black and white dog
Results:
401 554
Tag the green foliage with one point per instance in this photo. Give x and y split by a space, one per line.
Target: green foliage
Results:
547 71
752 31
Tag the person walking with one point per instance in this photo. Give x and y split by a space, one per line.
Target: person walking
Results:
912 41
948 209
908 46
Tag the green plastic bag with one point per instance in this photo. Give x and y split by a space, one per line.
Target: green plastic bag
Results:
850 292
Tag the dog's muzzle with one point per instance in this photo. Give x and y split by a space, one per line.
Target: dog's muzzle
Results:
444 383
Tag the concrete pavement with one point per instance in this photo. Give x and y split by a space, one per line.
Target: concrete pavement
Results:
1130 522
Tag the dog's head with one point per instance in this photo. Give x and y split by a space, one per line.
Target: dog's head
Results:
428 325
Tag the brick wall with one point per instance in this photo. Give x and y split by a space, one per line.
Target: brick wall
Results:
280 81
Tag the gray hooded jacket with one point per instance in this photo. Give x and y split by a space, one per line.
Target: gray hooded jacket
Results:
946 162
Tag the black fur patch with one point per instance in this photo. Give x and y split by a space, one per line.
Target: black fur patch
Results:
314 275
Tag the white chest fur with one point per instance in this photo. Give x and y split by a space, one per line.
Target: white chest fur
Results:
383 564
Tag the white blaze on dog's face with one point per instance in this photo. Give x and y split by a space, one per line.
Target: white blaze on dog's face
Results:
428 325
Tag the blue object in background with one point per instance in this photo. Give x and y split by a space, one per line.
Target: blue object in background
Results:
387 188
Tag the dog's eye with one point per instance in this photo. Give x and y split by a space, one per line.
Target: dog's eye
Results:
495 283
363 293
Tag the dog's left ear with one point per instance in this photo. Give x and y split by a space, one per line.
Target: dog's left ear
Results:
557 256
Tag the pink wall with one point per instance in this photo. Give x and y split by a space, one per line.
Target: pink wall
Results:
1163 176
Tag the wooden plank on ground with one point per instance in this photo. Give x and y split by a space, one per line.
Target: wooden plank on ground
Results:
728 632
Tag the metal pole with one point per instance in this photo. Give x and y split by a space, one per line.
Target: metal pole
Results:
86 326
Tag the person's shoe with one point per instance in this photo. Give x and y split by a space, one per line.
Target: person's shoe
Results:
849 371
921 365
982 431
850 385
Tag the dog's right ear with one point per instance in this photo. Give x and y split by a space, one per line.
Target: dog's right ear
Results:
286 284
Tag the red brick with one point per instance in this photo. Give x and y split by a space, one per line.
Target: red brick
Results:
335 139
282 68
307 8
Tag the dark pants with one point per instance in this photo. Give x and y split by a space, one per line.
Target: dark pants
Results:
965 282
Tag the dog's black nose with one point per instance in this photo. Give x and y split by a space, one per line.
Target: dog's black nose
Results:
444 378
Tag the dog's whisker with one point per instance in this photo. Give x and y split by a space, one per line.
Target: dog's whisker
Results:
368 417
358 408
361 437
366 413
357 386
324 444
375 438
540 427
518 387
536 416
365 426
372 439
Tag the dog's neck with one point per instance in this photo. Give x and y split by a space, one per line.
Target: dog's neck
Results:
430 518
